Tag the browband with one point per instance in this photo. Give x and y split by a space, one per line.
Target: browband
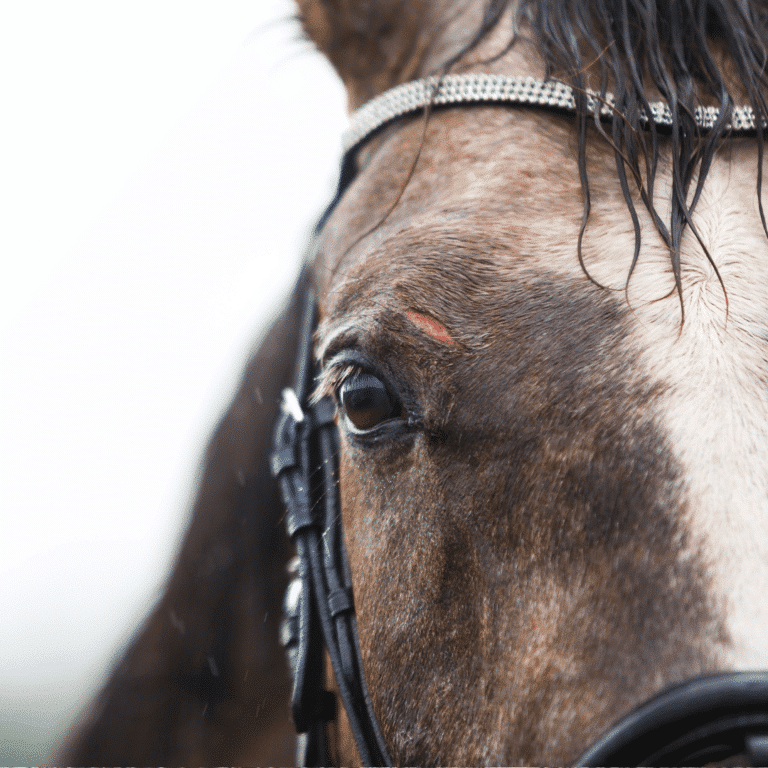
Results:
483 88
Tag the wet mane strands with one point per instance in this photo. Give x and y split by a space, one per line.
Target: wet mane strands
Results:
693 53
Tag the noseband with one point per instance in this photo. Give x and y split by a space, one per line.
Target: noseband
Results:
699 721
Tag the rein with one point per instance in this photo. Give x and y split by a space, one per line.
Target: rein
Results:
702 720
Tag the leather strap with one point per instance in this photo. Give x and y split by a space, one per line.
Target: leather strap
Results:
319 603
699 721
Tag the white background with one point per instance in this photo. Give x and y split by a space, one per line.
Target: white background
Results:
161 164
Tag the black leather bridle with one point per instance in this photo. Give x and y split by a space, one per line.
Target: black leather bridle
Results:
703 720
319 611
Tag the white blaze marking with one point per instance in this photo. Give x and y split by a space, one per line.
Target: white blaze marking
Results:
716 405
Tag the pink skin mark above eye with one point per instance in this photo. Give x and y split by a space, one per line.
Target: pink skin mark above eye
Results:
432 327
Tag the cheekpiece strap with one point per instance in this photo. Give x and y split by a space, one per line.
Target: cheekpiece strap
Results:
319 604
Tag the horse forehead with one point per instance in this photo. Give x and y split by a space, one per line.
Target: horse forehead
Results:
484 177
508 181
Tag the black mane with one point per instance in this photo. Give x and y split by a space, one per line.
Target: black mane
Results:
671 44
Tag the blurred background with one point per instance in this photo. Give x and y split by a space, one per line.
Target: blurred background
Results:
161 164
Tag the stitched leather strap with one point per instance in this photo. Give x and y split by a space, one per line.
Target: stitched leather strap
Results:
699 721
319 603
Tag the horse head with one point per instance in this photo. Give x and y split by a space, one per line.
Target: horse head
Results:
559 506
545 335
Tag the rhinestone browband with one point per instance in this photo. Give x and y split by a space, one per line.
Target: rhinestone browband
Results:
486 88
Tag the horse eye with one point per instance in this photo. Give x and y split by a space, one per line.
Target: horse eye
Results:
366 401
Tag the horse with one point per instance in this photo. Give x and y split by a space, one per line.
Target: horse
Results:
543 329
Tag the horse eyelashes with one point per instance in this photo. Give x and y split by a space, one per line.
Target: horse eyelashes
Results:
370 411
365 401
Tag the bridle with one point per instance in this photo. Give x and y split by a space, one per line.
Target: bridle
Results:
702 720
318 604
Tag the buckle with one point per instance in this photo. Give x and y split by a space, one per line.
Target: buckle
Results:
286 435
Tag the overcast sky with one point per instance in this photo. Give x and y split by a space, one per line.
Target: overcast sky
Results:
160 166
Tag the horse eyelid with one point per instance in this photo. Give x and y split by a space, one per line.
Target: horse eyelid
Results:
347 358
342 341
339 367
345 363
332 378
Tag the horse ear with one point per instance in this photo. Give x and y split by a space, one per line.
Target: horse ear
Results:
205 681
373 45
